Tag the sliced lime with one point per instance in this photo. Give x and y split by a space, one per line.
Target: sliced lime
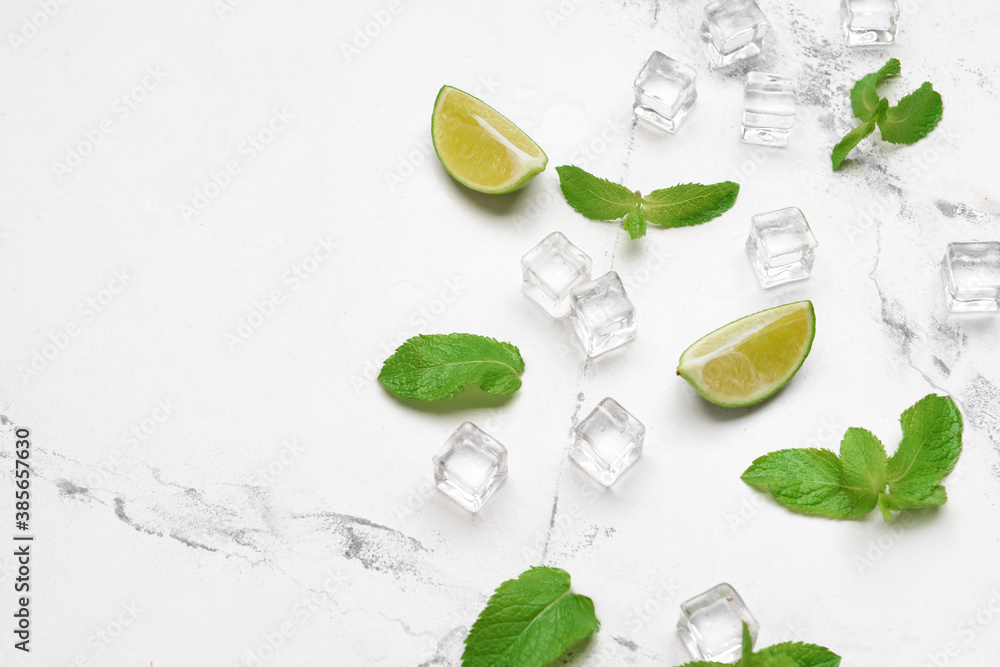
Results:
748 360
479 147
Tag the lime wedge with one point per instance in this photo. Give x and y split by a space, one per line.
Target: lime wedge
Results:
480 148
748 360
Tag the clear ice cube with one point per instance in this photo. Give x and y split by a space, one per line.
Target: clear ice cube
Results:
607 441
551 270
733 30
971 273
602 314
664 91
768 109
470 467
869 21
781 246
711 624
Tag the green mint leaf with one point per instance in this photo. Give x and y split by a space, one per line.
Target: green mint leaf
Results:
888 503
787 654
678 206
593 197
808 481
797 654
747 652
439 366
864 96
864 464
529 621
774 661
634 223
854 137
816 481
931 445
914 117
689 203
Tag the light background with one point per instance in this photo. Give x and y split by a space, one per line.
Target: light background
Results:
278 497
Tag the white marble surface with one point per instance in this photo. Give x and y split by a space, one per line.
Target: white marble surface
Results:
276 496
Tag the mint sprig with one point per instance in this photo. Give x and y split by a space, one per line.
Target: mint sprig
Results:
439 366
678 206
817 482
854 137
530 621
912 119
787 654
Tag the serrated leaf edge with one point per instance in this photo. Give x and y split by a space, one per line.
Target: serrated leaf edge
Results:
718 209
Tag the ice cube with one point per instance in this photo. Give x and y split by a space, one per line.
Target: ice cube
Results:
607 441
551 270
711 624
869 21
971 273
602 314
664 91
768 109
781 246
733 30
470 467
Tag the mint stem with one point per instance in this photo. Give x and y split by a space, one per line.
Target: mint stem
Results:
886 514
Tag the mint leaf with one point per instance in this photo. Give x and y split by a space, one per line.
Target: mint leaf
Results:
788 654
888 502
678 206
854 137
796 654
634 222
747 652
931 445
914 117
864 96
773 661
809 481
689 203
863 462
439 366
529 621
593 197
818 482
